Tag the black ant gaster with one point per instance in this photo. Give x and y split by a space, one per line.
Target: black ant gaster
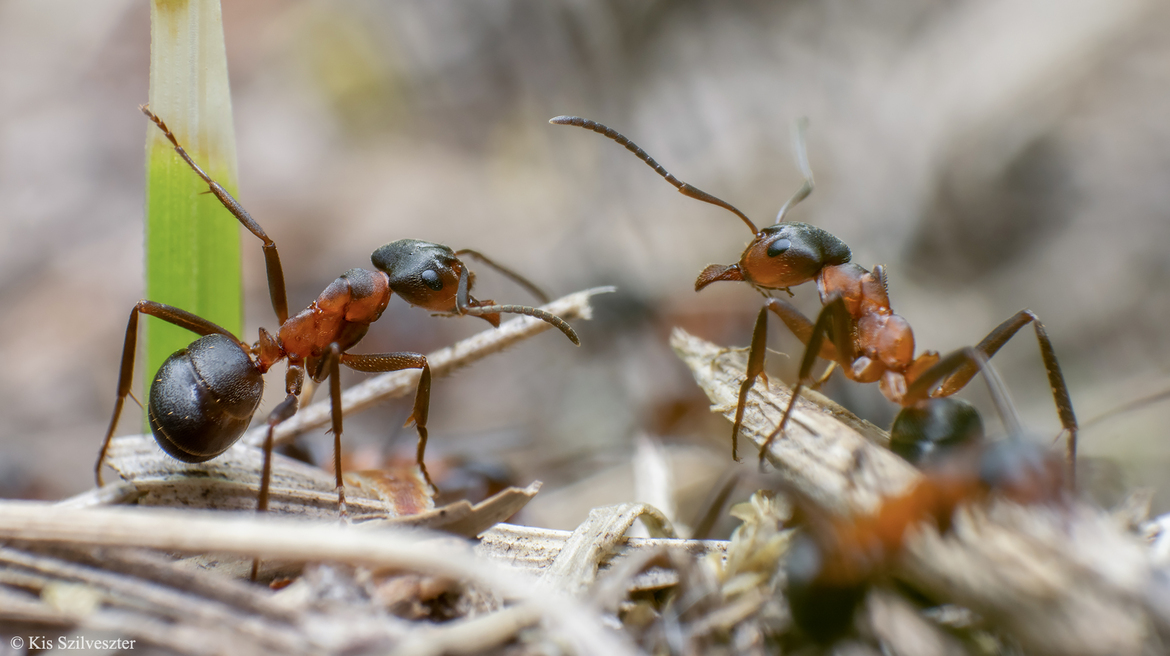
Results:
832 564
203 397
866 339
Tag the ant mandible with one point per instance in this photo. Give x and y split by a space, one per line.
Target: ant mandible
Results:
203 397
865 338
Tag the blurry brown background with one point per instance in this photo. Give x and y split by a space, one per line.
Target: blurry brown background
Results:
995 154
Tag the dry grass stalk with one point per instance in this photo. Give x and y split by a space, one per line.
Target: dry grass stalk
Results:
1059 581
290 540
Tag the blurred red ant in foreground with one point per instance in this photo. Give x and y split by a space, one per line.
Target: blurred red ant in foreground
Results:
865 338
203 397
831 565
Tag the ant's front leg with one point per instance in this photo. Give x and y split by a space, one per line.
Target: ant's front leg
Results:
835 322
383 362
800 326
755 368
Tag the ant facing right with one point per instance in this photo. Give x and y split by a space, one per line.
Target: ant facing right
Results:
865 338
203 397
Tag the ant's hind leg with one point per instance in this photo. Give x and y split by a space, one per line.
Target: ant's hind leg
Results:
125 378
172 315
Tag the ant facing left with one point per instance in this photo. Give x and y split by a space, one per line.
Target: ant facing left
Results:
203 397
865 338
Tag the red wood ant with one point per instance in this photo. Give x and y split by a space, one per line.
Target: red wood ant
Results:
203 397
831 565
866 339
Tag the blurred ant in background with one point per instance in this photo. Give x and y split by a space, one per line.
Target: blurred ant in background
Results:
833 562
203 397
865 338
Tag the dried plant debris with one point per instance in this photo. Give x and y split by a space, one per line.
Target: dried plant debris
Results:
163 558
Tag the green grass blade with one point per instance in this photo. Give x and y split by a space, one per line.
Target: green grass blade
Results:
192 242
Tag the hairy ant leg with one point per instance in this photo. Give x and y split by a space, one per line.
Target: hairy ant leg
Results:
383 362
293 381
755 368
276 287
835 322
758 349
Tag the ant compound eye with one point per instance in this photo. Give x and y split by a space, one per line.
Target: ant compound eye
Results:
432 279
777 247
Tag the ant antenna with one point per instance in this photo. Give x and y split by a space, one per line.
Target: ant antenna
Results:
463 306
508 273
683 188
999 394
1127 407
801 150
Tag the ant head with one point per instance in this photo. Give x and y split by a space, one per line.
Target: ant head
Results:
423 274
780 256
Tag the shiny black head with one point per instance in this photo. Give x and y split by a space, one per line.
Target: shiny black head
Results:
788 254
422 273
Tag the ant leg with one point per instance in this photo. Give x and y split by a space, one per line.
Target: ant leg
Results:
991 344
755 368
800 326
334 358
173 315
816 384
293 381
276 288
510 274
382 362
833 321
966 357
